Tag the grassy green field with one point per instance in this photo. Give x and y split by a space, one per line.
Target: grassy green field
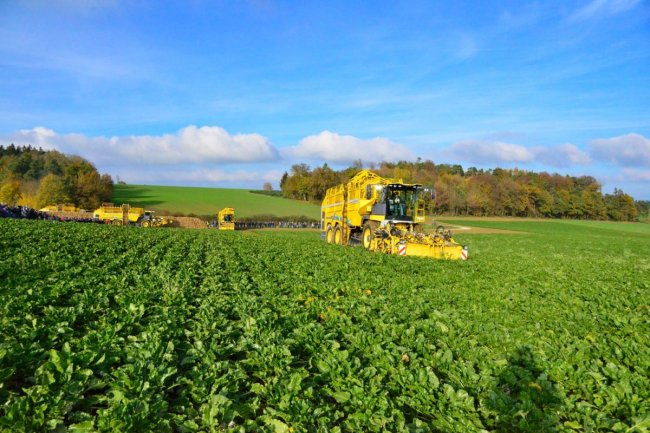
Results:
208 201
541 226
114 329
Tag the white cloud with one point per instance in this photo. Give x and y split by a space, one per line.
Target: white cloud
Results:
630 150
192 144
634 175
597 8
563 155
481 152
495 151
37 137
332 147
199 176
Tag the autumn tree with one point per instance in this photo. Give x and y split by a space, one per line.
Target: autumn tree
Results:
82 184
322 178
475 191
620 206
52 190
10 192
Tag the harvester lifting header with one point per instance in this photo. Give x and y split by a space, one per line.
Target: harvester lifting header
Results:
384 215
226 219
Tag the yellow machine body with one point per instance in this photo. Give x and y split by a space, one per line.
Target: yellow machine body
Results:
127 215
384 215
118 215
226 219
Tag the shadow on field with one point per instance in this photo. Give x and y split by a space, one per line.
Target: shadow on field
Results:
524 397
138 196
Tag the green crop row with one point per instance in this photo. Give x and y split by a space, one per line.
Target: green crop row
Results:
115 329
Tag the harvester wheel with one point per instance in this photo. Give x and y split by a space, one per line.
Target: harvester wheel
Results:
338 236
146 223
117 223
367 235
329 235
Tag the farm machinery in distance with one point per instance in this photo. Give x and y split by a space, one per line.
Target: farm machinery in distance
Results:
226 219
127 215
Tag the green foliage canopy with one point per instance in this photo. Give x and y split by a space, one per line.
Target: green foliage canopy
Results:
45 177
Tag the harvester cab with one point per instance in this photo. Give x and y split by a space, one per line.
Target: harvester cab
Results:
400 203
226 219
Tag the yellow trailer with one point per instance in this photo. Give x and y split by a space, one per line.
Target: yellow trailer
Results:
226 219
127 215
384 215
118 214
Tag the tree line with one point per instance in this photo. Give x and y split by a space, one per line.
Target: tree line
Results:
36 178
479 192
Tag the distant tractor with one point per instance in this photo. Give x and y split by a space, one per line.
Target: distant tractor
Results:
226 219
384 215
127 215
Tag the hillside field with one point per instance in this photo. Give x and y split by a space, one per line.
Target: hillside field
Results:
208 201
120 329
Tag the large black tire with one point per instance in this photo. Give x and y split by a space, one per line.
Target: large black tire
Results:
117 223
338 236
367 235
146 223
329 235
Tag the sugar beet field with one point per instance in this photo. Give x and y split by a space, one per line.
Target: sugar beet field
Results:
115 329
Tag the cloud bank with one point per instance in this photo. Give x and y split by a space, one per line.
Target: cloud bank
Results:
490 151
332 147
630 150
496 152
200 176
563 155
207 154
192 144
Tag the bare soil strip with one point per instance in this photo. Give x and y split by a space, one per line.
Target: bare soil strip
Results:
481 230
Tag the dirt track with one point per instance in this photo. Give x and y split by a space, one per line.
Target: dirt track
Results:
479 230
461 229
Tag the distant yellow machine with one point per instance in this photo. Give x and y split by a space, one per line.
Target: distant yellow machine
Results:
127 215
384 215
226 219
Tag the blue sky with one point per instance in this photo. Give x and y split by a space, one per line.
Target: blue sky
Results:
231 93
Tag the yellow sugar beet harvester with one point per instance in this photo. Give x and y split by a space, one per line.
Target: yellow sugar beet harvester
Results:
226 219
384 215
